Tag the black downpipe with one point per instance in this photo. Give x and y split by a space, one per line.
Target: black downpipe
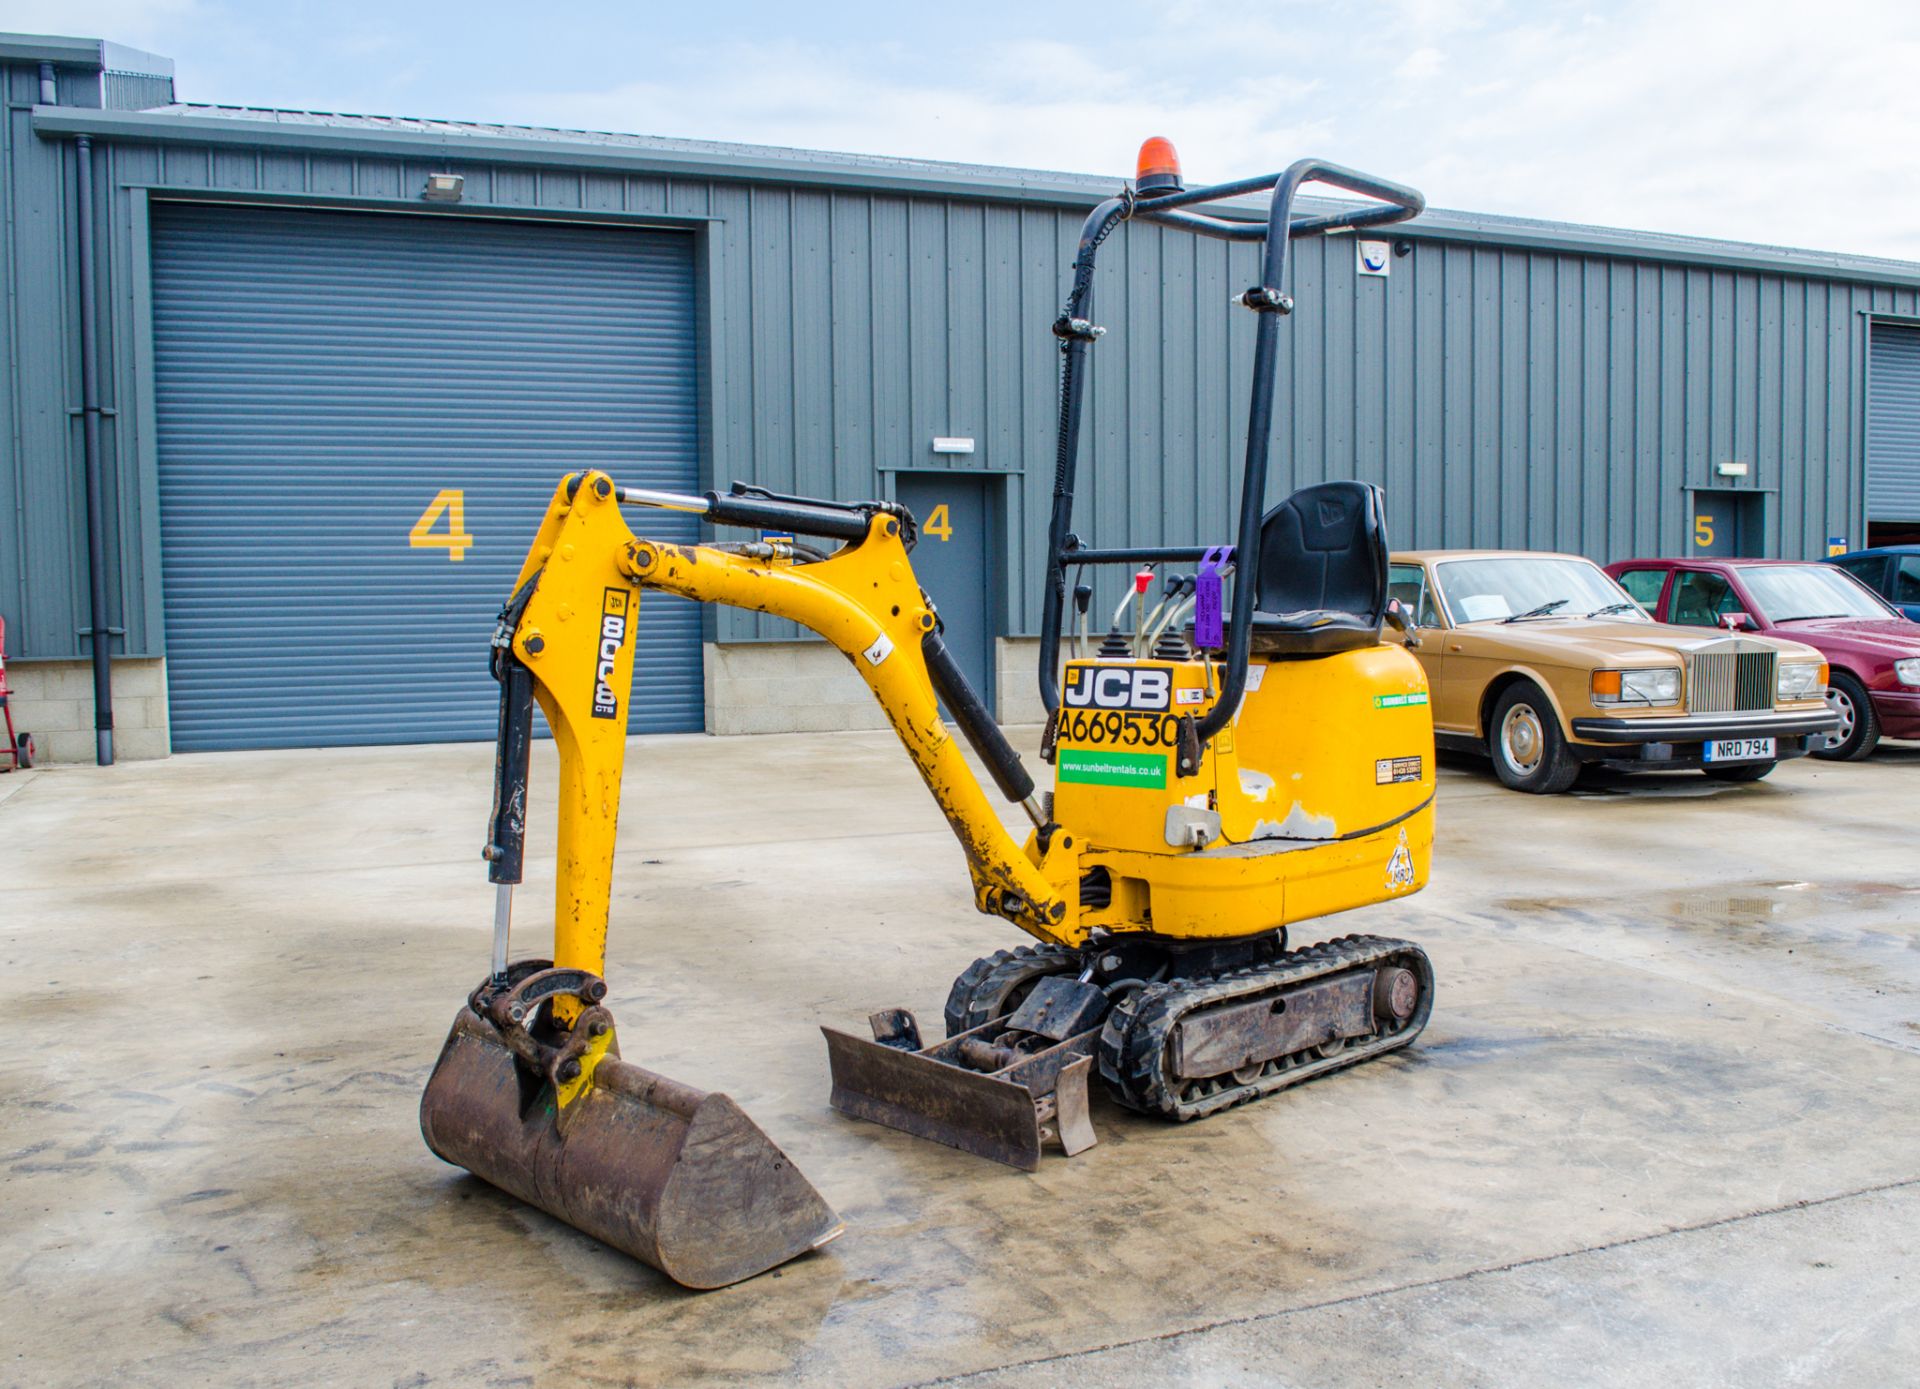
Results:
100 633
964 703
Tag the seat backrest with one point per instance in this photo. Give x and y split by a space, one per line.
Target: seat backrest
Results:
1325 549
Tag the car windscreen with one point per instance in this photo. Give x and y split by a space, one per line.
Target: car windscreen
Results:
1792 592
1503 586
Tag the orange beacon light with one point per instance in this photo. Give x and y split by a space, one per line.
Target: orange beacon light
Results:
1158 170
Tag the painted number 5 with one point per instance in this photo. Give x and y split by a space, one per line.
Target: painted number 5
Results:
1703 531
452 503
938 523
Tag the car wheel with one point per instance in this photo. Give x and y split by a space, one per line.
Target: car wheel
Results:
1741 771
1529 750
1859 730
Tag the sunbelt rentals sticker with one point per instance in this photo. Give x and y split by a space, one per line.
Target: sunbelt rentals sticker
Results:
1093 767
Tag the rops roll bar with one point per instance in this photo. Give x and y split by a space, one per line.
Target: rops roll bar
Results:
1269 301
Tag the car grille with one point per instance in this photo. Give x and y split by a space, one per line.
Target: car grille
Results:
1721 682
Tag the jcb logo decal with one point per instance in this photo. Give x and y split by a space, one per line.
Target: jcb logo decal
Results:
1118 687
613 635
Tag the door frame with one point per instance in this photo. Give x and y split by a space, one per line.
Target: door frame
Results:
1756 498
996 499
139 505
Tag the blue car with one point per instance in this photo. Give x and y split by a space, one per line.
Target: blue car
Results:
1892 571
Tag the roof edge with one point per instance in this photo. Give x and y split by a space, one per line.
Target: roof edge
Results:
51 48
812 169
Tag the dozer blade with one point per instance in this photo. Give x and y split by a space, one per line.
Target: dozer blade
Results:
677 1177
1008 1114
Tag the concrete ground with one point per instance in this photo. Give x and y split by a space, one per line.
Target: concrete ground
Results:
1664 1126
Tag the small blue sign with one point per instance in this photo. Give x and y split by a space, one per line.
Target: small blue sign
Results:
1836 545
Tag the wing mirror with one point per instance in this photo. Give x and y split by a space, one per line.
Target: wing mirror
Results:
1738 622
1397 619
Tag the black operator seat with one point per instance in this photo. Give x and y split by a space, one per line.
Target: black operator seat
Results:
1322 585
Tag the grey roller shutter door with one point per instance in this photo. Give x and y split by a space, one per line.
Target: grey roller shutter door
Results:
320 379
1893 425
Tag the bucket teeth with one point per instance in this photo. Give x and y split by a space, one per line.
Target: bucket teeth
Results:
678 1177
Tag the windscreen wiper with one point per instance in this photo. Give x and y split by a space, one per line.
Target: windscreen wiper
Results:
1540 611
1613 608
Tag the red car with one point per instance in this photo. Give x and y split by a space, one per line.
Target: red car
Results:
1873 651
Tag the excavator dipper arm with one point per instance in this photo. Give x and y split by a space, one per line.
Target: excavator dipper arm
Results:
574 634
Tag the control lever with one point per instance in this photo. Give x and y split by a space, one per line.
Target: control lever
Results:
1141 583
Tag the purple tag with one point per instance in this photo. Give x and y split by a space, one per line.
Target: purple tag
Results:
1209 632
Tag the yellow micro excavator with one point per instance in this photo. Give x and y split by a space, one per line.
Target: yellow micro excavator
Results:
1251 756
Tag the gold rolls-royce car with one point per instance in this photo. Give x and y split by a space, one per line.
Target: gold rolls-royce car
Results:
1544 664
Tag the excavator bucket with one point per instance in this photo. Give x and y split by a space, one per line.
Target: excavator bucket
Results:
677 1177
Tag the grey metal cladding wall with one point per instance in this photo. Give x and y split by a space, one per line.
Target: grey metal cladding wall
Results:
43 574
323 380
1503 396
134 91
1893 424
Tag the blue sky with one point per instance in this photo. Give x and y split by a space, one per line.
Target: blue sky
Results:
1790 123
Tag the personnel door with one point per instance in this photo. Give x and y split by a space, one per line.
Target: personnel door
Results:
950 560
1726 525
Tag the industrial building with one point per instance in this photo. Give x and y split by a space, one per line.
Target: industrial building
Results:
285 394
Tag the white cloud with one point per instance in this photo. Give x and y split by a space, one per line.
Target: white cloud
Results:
1770 120
1020 104
135 23
1421 64
1765 121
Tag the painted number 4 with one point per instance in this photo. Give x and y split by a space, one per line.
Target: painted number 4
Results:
451 503
938 523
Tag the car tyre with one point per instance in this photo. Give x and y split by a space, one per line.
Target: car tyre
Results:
1859 731
1529 751
1741 771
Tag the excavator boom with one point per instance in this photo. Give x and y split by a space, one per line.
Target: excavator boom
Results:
529 1092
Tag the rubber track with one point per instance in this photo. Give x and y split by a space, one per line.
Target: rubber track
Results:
1133 1045
989 972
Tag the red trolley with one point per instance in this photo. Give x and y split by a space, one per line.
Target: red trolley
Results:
19 749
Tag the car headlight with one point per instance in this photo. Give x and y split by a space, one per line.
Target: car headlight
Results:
1801 680
1655 685
1907 672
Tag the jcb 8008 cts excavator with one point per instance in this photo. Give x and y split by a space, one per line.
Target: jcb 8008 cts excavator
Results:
1214 783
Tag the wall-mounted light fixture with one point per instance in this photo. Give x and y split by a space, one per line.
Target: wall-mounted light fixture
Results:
443 188
1731 469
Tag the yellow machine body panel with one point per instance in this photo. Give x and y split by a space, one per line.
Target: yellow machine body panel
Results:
1317 799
